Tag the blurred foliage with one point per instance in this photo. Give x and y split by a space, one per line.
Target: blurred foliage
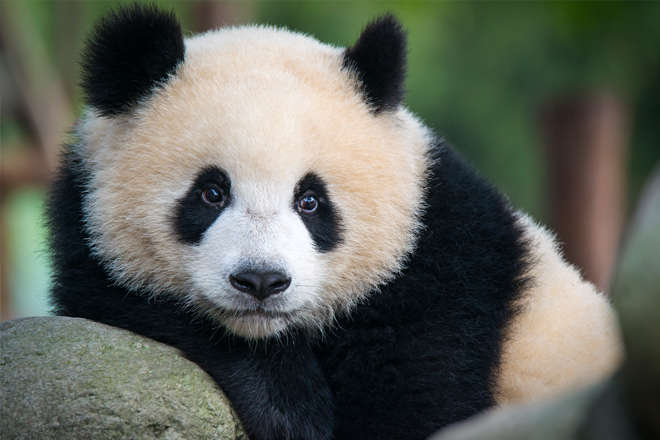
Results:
478 72
29 259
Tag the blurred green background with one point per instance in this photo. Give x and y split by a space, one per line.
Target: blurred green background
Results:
515 86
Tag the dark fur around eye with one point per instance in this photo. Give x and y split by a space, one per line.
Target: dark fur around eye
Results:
194 213
324 224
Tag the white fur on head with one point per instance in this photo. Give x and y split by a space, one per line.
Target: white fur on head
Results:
267 106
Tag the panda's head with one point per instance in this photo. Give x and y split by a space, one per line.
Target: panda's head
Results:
260 176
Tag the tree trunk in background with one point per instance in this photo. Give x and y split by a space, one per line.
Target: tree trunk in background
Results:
211 15
585 141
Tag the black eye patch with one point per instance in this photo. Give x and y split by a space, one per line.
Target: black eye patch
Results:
324 225
193 214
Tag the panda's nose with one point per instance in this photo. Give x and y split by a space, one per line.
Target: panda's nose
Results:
261 285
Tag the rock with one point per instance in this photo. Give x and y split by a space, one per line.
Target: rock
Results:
557 419
591 413
68 378
636 294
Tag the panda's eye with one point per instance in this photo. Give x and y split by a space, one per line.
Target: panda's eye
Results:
213 195
308 204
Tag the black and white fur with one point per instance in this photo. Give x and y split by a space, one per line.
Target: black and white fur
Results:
413 284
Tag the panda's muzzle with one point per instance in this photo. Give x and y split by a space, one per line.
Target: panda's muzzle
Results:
260 284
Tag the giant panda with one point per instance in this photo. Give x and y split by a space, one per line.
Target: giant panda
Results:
266 204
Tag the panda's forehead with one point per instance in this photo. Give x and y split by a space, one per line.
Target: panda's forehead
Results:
233 52
259 108
254 136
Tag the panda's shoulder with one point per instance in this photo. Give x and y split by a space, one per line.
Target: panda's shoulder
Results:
564 333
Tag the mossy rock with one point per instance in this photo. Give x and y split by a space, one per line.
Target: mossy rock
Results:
68 378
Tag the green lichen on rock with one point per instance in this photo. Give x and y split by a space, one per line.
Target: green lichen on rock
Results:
67 378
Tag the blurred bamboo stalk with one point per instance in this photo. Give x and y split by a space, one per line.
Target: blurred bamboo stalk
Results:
210 15
585 140
39 100
47 105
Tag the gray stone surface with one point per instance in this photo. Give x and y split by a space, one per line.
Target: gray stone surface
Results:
636 293
66 378
557 419
591 413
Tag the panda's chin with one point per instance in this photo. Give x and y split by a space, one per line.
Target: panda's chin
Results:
257 324
250 323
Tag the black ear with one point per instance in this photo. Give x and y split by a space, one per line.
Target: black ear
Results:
379 59
130 52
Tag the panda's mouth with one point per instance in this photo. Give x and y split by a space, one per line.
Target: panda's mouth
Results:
262 313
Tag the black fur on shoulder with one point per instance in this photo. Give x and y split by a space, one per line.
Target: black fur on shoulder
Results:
130 52
424 351
379 59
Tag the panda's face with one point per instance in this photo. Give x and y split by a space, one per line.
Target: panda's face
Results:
256 185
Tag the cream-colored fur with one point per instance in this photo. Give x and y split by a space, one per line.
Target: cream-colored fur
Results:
566 333
267 106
